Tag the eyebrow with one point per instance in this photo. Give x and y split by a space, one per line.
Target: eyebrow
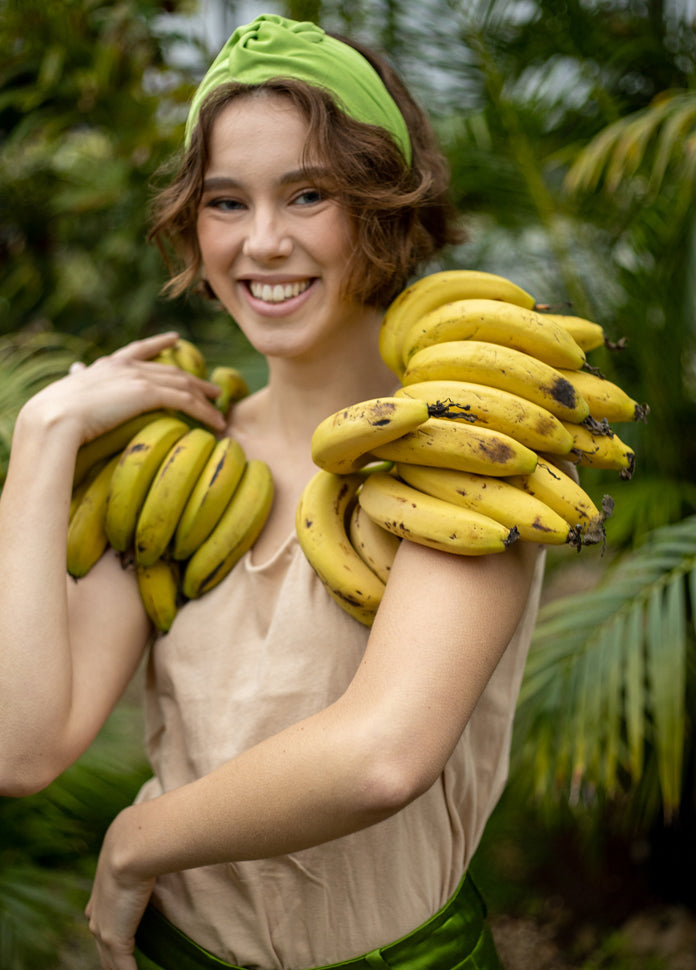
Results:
218 183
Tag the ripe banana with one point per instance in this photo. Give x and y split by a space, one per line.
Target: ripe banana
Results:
509 370
169 493
429 521
159 591
495 497
442 443
585 333
597 446
321 526
606 400
210 496
558 490
233 386
109 443
184 355
489 407
87 539
433 291
375 546
133 475
235 533
343 441
496 322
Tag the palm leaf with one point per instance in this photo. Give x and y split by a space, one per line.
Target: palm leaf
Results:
606 677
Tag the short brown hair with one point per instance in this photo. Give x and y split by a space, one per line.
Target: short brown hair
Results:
402 215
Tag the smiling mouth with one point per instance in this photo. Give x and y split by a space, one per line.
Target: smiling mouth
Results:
277 292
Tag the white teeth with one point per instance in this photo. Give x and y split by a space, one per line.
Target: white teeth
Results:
277 293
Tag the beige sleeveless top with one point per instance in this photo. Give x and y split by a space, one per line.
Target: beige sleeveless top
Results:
262 650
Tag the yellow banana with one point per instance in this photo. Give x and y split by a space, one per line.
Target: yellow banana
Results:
489 407
496 322
159 591
109 443
184 355
210 496
169 493
495 497
321 525
442 443
133 475
597 446
511 370
235 533
558 490
606 400
233 386
433 291
375 545
585 333
87 539
429 521
343 441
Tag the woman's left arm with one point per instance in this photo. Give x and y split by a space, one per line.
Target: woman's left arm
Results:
443 625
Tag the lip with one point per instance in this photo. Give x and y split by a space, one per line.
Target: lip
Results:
276 309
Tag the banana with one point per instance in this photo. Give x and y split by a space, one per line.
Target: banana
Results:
321 526
375 546
210 496
606 400
233 386
489 407
511 370
109 443
495 497
87 538
558 490
597 446
184 355
169 493
433 291
159 591
429 521
585 333
442 443
133 475
235 533
343 441
496 322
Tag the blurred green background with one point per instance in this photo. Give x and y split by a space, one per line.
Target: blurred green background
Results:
570 126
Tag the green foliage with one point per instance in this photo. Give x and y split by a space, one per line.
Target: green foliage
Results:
603 710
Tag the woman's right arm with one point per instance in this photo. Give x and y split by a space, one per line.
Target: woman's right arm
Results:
67 648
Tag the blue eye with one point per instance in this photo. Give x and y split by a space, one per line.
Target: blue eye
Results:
309 197
226 205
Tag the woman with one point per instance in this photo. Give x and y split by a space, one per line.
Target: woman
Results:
319 788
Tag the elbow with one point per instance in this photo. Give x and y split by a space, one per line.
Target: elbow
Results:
395 777
29 776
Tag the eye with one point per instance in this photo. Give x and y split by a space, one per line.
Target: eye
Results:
223 204
309 197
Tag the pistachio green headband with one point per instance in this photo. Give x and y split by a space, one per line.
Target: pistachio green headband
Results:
272 46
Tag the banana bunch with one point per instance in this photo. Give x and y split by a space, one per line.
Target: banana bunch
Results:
495 395
182 503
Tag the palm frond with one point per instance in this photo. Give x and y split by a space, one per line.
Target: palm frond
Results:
607 677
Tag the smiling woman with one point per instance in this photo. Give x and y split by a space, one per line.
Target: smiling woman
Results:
318 786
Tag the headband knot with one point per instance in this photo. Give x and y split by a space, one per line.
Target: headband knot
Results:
274 47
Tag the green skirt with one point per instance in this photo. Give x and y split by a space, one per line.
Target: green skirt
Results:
457 937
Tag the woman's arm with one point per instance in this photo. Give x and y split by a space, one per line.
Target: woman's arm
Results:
442 627
67 649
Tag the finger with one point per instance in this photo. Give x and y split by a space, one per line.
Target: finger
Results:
148 346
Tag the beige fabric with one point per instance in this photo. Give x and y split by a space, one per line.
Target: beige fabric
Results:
263 649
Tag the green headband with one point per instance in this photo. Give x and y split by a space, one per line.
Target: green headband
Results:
272 47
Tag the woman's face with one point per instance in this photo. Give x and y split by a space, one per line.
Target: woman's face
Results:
274 246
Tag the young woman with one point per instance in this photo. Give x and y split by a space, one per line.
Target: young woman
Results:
318 788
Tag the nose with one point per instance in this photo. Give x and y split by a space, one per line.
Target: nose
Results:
267 238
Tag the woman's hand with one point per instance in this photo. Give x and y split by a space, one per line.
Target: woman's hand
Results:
91 400
119 898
